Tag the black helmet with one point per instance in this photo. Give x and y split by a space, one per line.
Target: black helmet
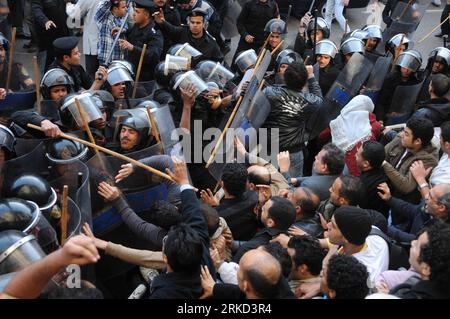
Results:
288 56
23 215
33 188
18 250
161 78
19 214
395 41
4 42
275 26
7 140
106 98
321 25
63 151
55 77
144 132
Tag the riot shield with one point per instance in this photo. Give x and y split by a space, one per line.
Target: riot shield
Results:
404 100
349 81
18 250
163 121
50 110
34 162
140 190
17 101
251 114
405 19
229 29
377 76
144 89
76 176
24 146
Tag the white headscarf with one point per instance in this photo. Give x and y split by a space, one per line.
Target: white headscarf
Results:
353 124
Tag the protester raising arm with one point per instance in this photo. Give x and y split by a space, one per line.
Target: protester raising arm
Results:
29 282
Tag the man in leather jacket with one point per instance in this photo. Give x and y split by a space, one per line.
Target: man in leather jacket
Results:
290 110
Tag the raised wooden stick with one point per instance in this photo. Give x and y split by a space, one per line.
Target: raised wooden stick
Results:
397 50
434 29
112 153
38 87
230 119
155 131
404 10
346 26
276 48
138 73
64 214
265 43
11 59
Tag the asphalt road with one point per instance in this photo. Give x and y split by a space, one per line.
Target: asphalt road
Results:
356 19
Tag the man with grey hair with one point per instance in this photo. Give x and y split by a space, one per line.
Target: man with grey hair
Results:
435 207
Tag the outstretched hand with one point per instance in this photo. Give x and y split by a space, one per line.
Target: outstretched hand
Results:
179 173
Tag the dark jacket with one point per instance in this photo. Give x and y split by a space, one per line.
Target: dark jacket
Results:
180 285
290 111
44 11
207 45
311 225
436 110
229 291
371 179
389 9
254 17
79 76
176 286
319 184
327 76
261 238
415 288
386 96
172 16
415 219
138 36
239 215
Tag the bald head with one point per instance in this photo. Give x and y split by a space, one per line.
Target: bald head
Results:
305 202
259 274
258 175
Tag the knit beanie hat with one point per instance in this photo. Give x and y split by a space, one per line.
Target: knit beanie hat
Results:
354 224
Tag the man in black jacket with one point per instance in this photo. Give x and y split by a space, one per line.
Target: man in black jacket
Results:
277 215
437 107
291 108
195 34
251 22
238 203
186 246
369 158
50 18
172 16
141 33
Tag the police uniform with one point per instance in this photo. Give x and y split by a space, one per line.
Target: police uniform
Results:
19 76
207 45
172 16
138 36
80 78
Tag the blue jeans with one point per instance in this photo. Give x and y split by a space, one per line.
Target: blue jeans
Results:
296 168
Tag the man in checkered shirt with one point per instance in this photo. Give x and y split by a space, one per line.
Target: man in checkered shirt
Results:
110 15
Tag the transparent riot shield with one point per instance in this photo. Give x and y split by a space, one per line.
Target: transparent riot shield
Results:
76 176
17 101
406 17
404 100
349 81
377 76
144 89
